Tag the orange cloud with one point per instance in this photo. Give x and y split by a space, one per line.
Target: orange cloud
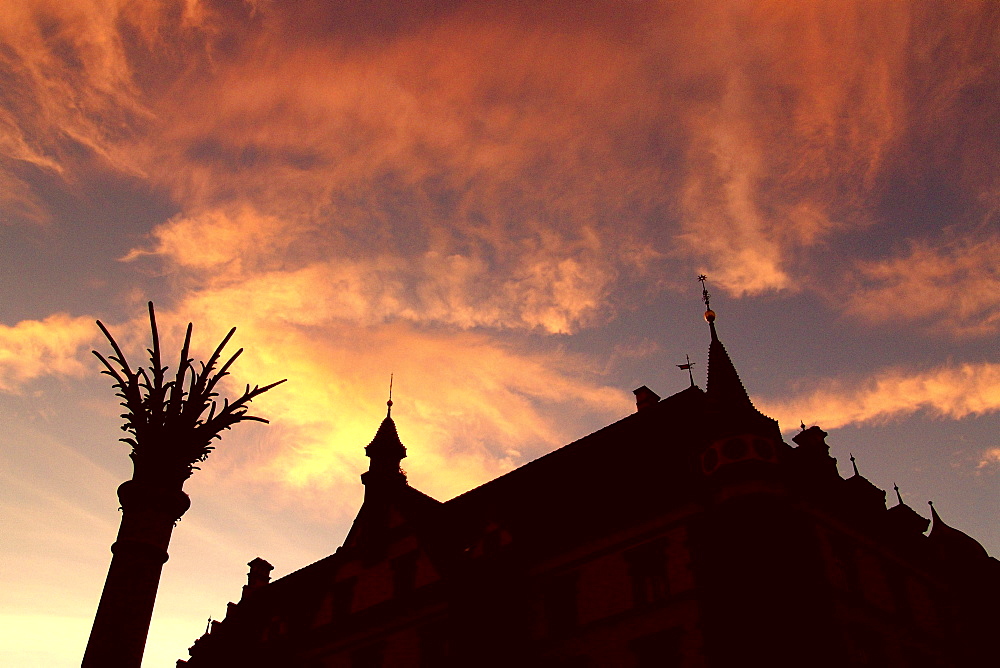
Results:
951 391
468 408
803 112
35 348
990 459
734 138
953 287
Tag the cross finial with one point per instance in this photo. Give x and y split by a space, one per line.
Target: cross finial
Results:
388 412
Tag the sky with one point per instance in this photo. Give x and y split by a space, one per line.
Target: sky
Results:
505 205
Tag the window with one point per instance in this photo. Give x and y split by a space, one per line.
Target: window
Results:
559 602
433 645
658 650
404 574
647 566
275 628
342 598
866 647
368 657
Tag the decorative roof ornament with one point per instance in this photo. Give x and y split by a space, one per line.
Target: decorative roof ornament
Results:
687 366
705 297
952 543
854 463
899 497
386 450
388 404
723 382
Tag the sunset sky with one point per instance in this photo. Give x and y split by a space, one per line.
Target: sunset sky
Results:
506 205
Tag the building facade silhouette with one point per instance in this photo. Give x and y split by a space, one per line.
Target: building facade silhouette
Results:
687 534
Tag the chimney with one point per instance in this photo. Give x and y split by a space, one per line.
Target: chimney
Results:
259 576
644 398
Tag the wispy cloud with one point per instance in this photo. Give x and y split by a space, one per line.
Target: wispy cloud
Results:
951 288
949 391
731 138
468 407
35 348
989 460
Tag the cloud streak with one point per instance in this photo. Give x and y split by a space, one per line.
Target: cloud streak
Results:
950 391
734 139
468 407
33 349
951 288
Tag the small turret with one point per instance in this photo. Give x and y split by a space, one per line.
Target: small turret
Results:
813 453
863 496
954 545
385 453
905 519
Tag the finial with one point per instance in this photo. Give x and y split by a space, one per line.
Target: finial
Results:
802 425
688 366
388 412
899 497
854 464
705 297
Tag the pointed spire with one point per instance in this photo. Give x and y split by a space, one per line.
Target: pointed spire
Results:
899 497
386 450
723 382
854 463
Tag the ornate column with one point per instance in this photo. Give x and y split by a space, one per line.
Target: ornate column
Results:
172 425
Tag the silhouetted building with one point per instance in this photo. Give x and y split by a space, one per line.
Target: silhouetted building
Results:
686 534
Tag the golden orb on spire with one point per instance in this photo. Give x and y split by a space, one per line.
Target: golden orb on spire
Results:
709 315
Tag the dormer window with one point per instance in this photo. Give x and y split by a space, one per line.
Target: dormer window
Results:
647 567
738 448
404 574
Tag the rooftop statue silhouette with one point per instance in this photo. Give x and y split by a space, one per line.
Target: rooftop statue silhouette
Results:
172 424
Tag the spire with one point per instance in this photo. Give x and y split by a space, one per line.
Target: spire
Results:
386 450
723 382
854 463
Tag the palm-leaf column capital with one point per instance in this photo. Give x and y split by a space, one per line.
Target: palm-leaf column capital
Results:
172 422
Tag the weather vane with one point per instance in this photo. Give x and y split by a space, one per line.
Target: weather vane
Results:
388 404
687 366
